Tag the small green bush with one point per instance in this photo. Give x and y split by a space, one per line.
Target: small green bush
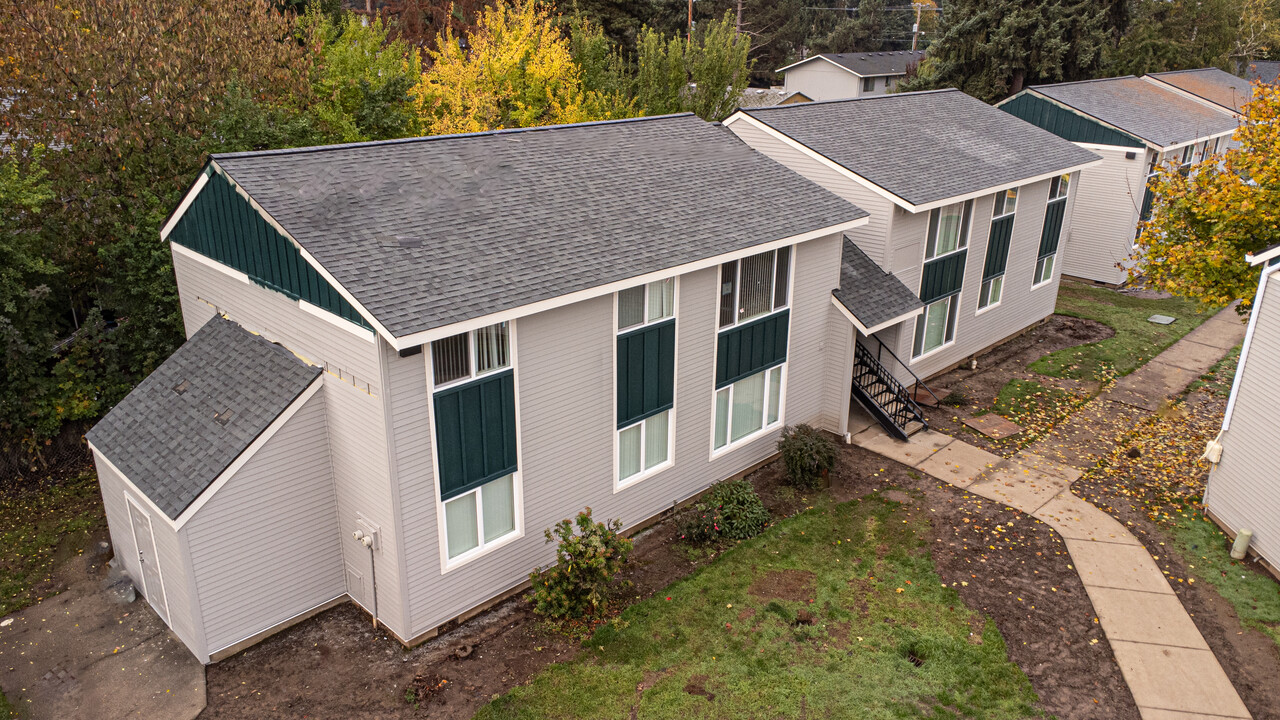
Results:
730 510
806 455
577 586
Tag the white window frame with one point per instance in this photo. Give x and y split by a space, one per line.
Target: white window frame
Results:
619 483
962 241
1061 195
983 308
1038 283
994 217
765 426
482 547
868 81
472 359
1005 211
1063 198
924 316
737 288
448 564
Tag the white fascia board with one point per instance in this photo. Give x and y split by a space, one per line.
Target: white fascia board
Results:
901 202
407 341
869 331
1190 96
819 57
1264 256
1248 342
1197 141
1086 116
182 206
250 451
151 506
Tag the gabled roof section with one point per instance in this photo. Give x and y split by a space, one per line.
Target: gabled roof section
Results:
925 147
1158 116
871 64
876 298
1267 71
1212 84
428 232
196 413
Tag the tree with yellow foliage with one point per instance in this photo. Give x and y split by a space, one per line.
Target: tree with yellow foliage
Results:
515 70
1202 224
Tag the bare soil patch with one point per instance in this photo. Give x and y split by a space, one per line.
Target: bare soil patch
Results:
793 585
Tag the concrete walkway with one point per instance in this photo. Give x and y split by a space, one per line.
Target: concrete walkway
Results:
1166 662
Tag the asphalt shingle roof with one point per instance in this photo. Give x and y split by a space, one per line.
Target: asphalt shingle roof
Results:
892 62
1267 71
925 146
433 231
170 444
1215 85
871 294
1141 108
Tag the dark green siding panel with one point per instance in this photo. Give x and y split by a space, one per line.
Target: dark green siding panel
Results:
942 277
222 225
750 348
475 433
1064 123
646 372
1052 227
1148 198
998 247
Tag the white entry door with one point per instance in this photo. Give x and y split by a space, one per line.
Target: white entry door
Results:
145 542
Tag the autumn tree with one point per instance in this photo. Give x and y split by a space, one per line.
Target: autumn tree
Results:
1203 223
705 74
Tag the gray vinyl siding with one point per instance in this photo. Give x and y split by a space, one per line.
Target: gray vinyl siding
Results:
869 237
565 387
1244 489
1021 305
1105 218
839 356
266 545
173 566
821 80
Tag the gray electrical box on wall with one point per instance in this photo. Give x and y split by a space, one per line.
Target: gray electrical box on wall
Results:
369 529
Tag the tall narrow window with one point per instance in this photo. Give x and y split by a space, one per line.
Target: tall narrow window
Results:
998 240
936 327
1054 213
645 378
755 286
948 229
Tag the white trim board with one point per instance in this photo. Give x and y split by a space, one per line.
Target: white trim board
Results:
849 70
1248 343
886 193
869 331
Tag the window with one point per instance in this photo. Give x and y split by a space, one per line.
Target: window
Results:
936 326
1006 203
486 350
1044 270
644 446
754 286
1058 187
480 517
645 304
948 229
748 406
868 84
990 293
645 379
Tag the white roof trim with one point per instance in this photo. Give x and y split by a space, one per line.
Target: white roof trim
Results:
151 506
885 192
869 331
426 336
1248 342
1264 256
849 70
1104 123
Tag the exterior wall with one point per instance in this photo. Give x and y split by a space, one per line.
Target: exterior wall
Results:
266 546
564 365
1021 305
1244 489
821 80
871 238
180 601
1105 218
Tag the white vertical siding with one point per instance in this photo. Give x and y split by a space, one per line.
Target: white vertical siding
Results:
265 547
870 237
1109 201
183 618
565 373
1244 489
821 80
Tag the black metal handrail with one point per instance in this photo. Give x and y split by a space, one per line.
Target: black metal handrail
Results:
919 382
868 371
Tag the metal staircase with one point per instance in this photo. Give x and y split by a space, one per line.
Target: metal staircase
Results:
884 396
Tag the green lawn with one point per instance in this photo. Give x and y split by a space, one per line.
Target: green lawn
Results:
1136 341
7 710
39 527
872 633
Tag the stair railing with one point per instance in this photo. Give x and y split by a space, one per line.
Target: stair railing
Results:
919 382
906 409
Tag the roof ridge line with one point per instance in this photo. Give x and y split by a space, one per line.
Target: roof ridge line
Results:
1082 82
854 99
449 136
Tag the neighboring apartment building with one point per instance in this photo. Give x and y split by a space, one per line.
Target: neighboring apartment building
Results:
1243 490
408 358
970 210
835 76
1214 86
1135 125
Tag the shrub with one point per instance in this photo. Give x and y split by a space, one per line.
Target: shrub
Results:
730 510
577 585
806 455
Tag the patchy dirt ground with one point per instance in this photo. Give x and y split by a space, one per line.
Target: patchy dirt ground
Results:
968 392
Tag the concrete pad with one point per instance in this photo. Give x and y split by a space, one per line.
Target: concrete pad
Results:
1160 714
1031 460
993 426
1223 331
860 420
1145 617
1077 519
959 463
1171 678
1191 355
913 452
1127 567
1151 384
1023 489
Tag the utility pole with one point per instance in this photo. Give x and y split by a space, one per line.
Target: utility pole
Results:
738 27
690 33
915 29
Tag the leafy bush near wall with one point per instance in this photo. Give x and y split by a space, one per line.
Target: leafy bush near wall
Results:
806 454
577 586
730 510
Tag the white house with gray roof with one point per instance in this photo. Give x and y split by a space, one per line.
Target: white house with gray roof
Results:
836 76
1136 125
408 358
970 210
